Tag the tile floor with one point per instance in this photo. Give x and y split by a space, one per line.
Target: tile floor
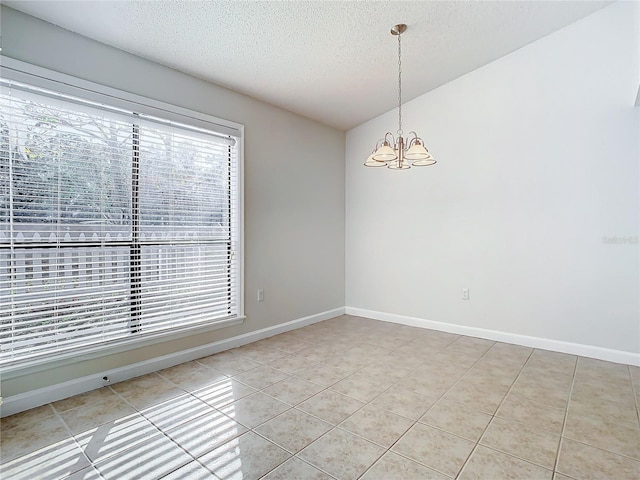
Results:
346 398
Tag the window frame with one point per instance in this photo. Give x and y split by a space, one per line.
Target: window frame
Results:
66 84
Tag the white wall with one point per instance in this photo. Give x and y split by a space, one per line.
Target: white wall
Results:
538 161
294 186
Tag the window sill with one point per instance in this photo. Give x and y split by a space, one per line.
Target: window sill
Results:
113 348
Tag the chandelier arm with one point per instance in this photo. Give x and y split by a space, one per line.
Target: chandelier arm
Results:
413 140
393 140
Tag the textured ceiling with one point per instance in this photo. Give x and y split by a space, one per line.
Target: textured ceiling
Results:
333 61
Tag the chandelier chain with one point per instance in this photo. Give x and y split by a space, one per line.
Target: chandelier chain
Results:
399 86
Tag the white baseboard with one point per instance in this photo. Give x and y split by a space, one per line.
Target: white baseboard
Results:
35 398
601 353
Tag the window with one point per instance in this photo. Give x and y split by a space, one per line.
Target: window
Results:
115 224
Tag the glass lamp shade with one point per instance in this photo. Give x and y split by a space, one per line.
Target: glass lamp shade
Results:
417 152
395 166
385 153
370 162
425 162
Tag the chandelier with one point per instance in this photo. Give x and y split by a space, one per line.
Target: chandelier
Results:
394 152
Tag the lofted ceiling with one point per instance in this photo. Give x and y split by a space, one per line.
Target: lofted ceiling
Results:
332 61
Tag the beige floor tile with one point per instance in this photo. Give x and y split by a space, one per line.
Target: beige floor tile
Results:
228 363
261 377
394 467
453 359
377 425
589 463
471 345
190 471
558 373
439 450
545 380
204 433
38 414
616 438
531 444
224 392
176 411
427 383
457 419
192 375
542 394
91 415
359 387
154 458
292 364
601 369
293 430
507 350
351 364
247 457
477 397
388 342
559 378
52 462
488 464
366 351
255 409
404 358
389 373
553 361
559 476
296 469
604 387
84 399
330 406
293 390
443 364
287 344
116 436
502 366
434 340
606 411
147 390
491 375
603 391
533 414
259 353
341 454
620 395
405 402
323 375
317 353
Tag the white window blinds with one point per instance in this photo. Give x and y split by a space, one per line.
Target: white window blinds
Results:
114 224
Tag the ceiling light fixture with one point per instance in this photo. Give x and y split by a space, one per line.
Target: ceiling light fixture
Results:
392 152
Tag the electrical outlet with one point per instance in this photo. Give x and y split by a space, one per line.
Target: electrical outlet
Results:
465 294
261 294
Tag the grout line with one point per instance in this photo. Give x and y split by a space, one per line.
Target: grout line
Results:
635 390
75 440
475 447
566 415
